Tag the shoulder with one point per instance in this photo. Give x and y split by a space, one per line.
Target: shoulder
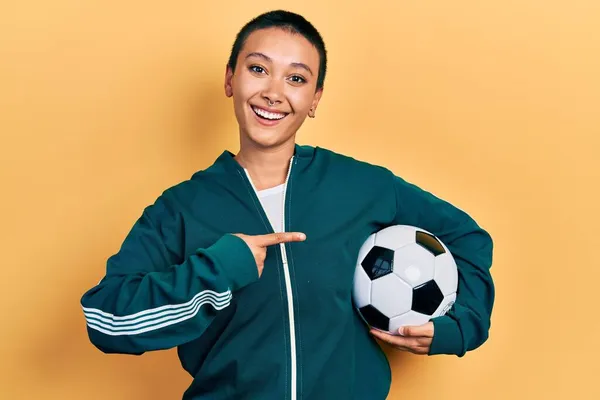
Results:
353 165
200 180
172 200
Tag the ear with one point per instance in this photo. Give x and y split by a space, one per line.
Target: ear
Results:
315 103
228 80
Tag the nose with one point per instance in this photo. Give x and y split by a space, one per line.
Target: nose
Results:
273 91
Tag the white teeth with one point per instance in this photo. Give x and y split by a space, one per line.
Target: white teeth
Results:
268 115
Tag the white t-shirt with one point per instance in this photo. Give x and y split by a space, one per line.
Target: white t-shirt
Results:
271 200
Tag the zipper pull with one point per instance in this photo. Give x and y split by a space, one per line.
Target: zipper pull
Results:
283 253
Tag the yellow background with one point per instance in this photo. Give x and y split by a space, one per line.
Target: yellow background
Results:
492 105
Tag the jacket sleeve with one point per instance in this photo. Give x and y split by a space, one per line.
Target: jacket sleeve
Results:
466 325
151 298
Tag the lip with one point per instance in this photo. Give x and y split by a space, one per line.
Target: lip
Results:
272 110
268 122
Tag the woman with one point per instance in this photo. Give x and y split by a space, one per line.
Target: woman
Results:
247 267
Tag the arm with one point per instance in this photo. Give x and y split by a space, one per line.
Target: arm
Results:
148 300
465 326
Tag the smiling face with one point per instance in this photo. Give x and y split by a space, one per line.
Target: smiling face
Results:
279 68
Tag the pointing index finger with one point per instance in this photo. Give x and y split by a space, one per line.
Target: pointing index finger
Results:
282 237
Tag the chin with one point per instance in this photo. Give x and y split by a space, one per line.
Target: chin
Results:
266 138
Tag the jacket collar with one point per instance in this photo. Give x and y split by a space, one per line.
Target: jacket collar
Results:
303 154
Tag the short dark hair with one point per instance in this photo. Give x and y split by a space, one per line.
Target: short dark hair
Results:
286 20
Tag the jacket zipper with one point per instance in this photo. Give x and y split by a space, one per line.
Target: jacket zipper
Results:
288 283
288 287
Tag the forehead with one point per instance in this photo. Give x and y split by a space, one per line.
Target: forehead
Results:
282 47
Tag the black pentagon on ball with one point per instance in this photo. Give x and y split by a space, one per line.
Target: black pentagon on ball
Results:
430 243
378 262
375 318
427 298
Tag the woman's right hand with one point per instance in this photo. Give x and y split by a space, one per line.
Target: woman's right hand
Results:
258 244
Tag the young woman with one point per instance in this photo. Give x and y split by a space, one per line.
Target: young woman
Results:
247 267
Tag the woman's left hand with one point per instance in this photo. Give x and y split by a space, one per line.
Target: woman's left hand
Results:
415 339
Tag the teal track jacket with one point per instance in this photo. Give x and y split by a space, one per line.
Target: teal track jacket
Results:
181 279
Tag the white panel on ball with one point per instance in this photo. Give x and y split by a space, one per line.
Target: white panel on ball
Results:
362 288
446 274
408 318
414 264
390 295
394 237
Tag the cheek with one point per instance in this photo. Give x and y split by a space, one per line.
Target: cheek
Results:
247 86
300 100
242 92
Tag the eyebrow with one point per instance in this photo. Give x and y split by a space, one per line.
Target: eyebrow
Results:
267 58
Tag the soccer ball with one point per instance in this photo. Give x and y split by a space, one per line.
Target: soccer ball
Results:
404 276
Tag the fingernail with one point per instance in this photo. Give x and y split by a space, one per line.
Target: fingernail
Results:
401 331
302 236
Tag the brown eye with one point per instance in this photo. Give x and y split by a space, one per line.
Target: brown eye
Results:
297 79
257 69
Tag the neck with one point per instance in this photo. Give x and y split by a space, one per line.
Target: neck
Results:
267 167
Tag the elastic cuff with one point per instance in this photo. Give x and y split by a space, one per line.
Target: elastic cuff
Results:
235 259
447 338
